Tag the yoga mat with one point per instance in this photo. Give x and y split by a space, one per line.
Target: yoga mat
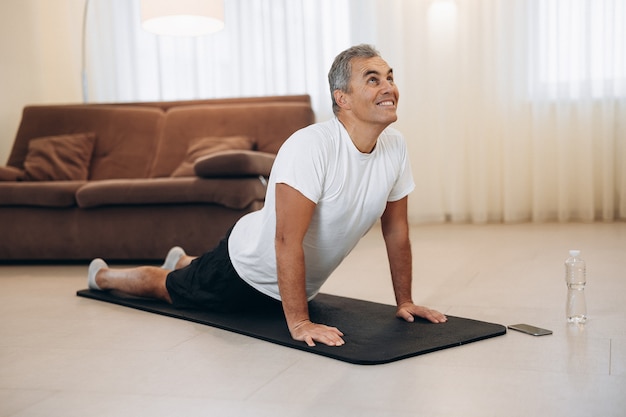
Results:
373 334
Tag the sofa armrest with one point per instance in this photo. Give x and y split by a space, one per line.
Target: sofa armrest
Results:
235 163
235 193
39 193
9 173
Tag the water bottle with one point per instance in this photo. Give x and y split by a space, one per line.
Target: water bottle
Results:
575 277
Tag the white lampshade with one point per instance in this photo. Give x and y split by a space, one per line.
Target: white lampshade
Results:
182 17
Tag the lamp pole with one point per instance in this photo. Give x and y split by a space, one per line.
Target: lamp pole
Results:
84 54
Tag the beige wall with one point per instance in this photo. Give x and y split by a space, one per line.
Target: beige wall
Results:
40 55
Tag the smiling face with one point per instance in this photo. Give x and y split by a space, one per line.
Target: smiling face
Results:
372 96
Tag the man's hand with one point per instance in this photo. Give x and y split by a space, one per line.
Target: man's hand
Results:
408 311
309 332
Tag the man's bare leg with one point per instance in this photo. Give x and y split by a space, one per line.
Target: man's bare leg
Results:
143 281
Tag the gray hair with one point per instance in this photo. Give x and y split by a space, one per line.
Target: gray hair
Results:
341 70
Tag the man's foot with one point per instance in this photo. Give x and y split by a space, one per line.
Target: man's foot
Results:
172 258
95 265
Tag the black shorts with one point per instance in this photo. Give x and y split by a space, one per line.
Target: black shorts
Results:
210 282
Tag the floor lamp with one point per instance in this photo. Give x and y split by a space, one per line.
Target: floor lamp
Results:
182 17
83 69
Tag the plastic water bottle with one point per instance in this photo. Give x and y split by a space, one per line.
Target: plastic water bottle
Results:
576 279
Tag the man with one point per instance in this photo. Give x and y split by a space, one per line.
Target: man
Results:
329 185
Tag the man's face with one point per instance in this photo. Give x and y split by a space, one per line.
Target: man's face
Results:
373 94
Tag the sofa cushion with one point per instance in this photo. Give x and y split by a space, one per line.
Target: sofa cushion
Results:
59 158
10 173
127 136
201 147
39 193
229 192
235 164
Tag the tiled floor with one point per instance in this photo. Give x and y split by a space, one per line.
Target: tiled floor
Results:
62 355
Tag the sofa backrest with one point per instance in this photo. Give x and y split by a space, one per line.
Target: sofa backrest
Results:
269 124
145 140
126 137
166 105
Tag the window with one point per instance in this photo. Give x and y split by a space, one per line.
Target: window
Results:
577 49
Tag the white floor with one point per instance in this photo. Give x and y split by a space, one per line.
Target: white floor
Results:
62 355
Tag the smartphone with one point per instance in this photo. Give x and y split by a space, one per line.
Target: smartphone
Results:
528 329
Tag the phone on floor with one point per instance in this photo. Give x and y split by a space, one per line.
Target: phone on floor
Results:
528 329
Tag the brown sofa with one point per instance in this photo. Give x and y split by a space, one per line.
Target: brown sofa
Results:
128 181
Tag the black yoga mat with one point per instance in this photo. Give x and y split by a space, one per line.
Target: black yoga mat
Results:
373 334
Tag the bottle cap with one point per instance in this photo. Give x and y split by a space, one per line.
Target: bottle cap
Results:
574 252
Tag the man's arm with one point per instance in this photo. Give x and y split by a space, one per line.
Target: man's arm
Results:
395 227
293 216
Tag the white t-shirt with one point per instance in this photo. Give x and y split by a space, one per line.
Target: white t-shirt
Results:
350 190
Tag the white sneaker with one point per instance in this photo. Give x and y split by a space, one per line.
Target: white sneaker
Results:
95 265
172 258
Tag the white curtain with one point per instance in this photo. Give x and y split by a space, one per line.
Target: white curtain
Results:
268 47
514 110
